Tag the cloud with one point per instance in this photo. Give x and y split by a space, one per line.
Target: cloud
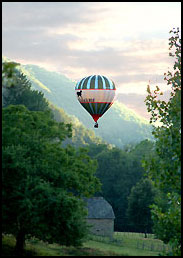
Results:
43 14
136 102
125 41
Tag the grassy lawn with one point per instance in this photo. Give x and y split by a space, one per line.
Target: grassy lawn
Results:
125 245
39 248
120 250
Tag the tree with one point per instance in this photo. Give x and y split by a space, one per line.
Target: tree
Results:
43 183
138 212
142 149
118 172
17 89
165 166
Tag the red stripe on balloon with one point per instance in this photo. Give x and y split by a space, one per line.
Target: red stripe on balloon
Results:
95 89
95 102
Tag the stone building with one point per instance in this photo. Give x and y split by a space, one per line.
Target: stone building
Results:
100 216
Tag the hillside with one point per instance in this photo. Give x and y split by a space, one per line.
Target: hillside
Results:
120 125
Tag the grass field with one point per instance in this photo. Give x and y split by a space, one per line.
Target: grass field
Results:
35 247
132 244
122 244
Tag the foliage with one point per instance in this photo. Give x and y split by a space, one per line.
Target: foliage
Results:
17 89
118 172
165 166
142 149
43 183
139 201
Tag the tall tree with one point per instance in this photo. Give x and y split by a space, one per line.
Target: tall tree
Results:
43 183
16 89
165 166
142 195
118 172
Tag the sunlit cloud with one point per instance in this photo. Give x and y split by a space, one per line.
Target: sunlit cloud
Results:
126 41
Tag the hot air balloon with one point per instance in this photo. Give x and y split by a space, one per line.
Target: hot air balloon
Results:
96 94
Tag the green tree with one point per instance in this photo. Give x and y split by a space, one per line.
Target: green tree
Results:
43 183
165 166
16 89
118 172
142 195
142 149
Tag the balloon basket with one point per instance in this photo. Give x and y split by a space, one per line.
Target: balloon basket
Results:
96 125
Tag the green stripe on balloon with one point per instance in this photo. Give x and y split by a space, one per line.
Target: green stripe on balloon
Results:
106 82
81 83
105 108
96 82
100 83
85 83
87 107
92 82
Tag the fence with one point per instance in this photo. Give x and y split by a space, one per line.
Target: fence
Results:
134 240
135 235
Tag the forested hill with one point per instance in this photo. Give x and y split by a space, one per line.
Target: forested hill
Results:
119 125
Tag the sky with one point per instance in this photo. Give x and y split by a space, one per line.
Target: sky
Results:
125 41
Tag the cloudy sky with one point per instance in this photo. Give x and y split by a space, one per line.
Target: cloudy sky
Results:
125 41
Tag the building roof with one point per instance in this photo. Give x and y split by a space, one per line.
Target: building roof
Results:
99 208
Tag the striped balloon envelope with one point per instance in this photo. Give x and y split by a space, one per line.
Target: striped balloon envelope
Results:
96 94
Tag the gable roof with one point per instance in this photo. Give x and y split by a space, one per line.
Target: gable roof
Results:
99 208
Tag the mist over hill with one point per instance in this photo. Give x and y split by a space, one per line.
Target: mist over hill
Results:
119 125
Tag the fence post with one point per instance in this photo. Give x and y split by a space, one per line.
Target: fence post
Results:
152 247
143 245
164 248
